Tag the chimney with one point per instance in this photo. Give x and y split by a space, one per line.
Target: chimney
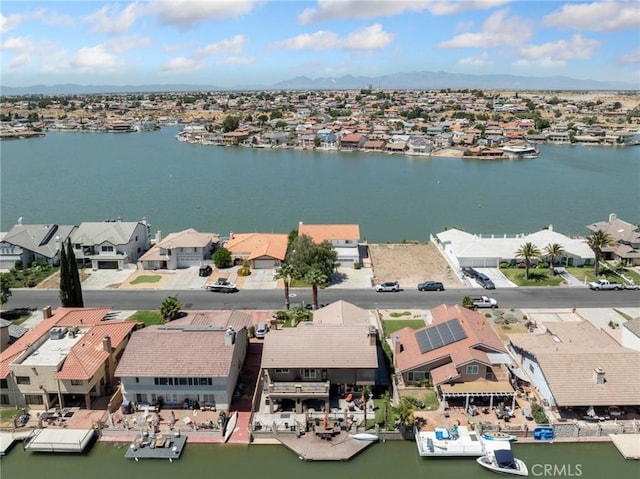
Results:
373 335
397 346
20 221
158 236
550 227
58 242
612 217
106 344
229 337
46 312
598 376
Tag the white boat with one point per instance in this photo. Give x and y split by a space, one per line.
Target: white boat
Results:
503 462
457 442
365 436
231 426
499 436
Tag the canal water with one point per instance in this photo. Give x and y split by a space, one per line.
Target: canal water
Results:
390 460
69 178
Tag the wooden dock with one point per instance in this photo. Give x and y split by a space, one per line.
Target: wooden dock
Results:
161 446
60 440
627 444
310 447
7 439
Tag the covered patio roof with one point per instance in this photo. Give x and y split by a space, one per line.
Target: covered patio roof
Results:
480 387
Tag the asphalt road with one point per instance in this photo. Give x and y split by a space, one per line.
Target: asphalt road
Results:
274 299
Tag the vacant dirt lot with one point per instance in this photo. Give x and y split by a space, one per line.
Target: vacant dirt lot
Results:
411 264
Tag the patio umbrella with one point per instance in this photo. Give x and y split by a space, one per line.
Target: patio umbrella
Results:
591 412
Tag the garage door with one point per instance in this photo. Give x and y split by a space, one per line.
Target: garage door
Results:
263 264
107 265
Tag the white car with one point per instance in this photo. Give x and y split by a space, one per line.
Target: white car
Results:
392 286
261 330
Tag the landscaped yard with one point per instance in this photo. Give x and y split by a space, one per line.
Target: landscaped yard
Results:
586 274
537 277
30 277
149 318
390 326
155 278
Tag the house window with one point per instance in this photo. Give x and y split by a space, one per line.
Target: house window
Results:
33 399
195 250
416 376
347 242
281 371
137 380
141 398
531 368
308 373
23 380
4 384
106 249
4 399
473 369
76 382
168 252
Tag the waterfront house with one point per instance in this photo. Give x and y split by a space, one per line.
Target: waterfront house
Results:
468 250
352 141
262 250
345 239
575 364
459 353
111 244
68 359
30 243
195 360
180 250
626 240
307 366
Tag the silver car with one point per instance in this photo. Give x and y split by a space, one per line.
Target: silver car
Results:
261 330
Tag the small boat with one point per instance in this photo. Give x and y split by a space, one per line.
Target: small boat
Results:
365 436
502 461
498 436
231 425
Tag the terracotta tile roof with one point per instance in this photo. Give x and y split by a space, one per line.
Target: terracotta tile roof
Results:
316 346
174 351
444 374
320 233
343 313
216 319
479 335
256 245
88 355
61 317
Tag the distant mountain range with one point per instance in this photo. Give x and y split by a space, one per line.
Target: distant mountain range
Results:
424 80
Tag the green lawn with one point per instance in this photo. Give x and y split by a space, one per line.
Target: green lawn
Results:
537 277
390 326
147 279
149 318
30 277
8 414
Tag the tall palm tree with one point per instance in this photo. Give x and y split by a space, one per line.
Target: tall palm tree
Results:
366 391
316 277
528 251
553 251
285 273
597 241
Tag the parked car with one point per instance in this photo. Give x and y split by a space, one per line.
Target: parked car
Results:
205 270
222 286
469 272
261 330
431 286
615 411
392 286
484 281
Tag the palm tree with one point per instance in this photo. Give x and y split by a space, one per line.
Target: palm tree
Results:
404 413
553 251
597 241
528 251
285 273
316 277
386 402
366 390
170 308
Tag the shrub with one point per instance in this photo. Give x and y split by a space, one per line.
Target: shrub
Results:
504 265
356 265
244 271
538 413
222 258
543 265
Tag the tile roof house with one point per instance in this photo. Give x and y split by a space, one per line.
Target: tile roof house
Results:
180 250
68 358
626 240
630 334
322 361
29 243
196 359
342 313
575 364
459 353
110 244
263 250
345 239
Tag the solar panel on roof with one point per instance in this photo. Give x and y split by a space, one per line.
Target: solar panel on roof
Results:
440 335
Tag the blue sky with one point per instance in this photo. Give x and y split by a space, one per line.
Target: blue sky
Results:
231 43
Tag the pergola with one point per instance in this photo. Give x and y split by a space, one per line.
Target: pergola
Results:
479 387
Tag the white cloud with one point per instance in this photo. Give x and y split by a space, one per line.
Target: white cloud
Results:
10 22
497 30
126 43
233 45
596 16
179 64
22 45
174 48
478 60
633 57
575 48
110 20
19 61
546 63
237 61
96 57
51 17
184 14
365 9
369 38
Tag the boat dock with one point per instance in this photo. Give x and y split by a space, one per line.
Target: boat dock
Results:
311 447
160 446
456 442
627 444
60 440
7 439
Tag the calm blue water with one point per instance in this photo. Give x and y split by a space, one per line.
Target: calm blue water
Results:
69 178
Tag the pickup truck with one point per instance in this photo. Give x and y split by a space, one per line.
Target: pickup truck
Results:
482 302
602 284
